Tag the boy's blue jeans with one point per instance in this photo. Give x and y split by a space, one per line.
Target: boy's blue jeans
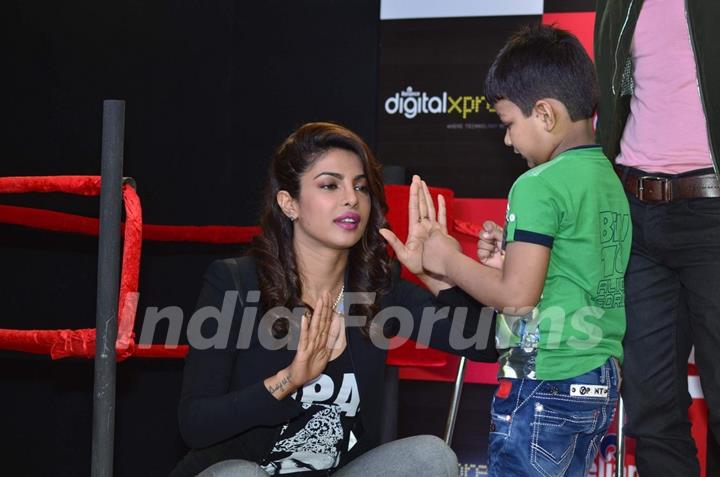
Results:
551 428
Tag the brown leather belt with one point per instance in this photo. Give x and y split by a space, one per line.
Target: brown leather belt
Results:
650 188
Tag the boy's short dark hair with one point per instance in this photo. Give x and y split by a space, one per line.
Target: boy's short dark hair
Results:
544 62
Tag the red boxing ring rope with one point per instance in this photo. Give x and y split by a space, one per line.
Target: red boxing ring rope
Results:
81 342
77 343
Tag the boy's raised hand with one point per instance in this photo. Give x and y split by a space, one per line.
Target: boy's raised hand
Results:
489 247
423 221
437 249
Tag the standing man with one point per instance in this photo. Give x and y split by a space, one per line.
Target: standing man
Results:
658 64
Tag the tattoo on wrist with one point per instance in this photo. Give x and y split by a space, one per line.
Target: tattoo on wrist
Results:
280 386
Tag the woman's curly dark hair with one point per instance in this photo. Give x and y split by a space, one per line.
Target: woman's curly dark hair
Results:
369 263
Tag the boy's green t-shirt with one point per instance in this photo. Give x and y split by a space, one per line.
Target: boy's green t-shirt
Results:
575 205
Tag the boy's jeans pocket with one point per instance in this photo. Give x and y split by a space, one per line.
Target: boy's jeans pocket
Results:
558 431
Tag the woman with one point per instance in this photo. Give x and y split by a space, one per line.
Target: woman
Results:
314 409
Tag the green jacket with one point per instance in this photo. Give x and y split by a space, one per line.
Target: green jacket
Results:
614 28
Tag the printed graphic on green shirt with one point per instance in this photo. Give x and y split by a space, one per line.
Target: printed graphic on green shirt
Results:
610 291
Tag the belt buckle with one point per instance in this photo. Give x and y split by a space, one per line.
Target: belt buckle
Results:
665 196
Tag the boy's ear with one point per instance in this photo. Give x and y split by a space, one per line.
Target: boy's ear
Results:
544 111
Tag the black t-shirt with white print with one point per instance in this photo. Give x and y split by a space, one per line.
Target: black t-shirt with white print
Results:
312 443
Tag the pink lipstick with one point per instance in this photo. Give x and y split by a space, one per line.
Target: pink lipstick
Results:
348 220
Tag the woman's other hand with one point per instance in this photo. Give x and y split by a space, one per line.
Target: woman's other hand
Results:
318 336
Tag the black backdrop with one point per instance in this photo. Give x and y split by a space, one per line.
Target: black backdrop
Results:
211 88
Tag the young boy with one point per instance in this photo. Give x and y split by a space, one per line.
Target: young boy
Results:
559 289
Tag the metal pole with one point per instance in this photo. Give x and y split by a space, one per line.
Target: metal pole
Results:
108 285
455 402
620 460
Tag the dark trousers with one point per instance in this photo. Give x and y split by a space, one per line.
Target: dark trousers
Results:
672 290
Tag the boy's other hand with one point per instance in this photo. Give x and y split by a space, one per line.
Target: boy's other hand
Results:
489 247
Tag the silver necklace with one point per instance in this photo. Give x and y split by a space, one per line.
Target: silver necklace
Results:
337 300
307 313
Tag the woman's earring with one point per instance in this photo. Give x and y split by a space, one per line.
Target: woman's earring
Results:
292 218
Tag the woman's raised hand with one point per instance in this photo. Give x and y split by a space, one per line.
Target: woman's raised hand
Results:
422 221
